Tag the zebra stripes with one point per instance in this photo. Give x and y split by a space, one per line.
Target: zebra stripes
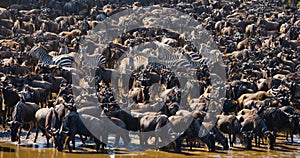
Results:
195 60
132 63
42 53
91 61
180 61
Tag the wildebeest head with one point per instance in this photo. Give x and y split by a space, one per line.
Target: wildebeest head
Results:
68 127
247 138
270 139
229 106
59 140
219 137
69 122
209 140
26 94
14 126
16 123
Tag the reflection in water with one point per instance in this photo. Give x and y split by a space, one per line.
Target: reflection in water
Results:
9 150
6 149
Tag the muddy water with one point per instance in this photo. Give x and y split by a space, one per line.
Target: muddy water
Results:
28 149
11 150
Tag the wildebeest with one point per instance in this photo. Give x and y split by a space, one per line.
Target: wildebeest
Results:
73 124
156 124
257 125
132 121
230 125
279 121
188 127
23 113
115 126
36 95
260 95
270 26
47 120
10 99
261 43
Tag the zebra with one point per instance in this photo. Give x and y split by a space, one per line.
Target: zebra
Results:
174 61
133 62
41 52
91 61
195 60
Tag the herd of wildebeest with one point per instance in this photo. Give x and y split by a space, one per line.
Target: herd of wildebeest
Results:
259 42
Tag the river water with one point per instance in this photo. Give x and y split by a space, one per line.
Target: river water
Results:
11 150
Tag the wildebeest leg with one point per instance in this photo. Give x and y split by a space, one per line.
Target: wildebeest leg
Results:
209 140
256 140
36 133
178 142
68 143
117 140
48 138
104 139
142 139
191 144
287 136
125 137
292 139
97 142
188 142
18 134
47 135
31 125
103 145
230 140
73 142
3 118
233 139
